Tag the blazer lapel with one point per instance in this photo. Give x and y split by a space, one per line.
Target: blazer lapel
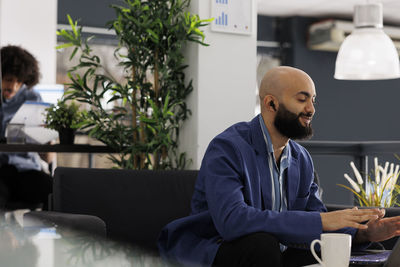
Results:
259 146
293 177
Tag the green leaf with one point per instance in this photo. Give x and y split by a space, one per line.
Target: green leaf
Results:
66 45
64 33
166 103
73 25
147 120
73 53
360 198
153 35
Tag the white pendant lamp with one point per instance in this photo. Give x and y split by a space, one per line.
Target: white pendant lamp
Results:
367 53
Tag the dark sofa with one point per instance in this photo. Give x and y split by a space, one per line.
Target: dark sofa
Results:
134 205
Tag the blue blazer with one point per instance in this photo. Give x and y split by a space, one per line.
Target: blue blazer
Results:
232 198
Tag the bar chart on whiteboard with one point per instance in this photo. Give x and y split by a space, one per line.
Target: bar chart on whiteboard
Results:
232 16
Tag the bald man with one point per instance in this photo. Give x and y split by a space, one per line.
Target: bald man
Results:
255 202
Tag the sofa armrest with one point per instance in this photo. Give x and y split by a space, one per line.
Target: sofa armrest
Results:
390 212
333 207
88 224
50 204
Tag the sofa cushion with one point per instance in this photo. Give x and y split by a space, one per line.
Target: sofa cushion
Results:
135 205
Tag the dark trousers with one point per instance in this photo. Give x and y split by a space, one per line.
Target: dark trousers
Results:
27 187
260 249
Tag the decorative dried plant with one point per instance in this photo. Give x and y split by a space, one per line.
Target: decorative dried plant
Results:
380 189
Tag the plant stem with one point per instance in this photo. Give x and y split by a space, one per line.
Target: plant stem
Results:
134 124
143 140
156 160
157 94
156 77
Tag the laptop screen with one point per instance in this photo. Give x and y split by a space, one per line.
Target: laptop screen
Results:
50 93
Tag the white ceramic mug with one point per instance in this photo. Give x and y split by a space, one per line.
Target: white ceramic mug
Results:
335 249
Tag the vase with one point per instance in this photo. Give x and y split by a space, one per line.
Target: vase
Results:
67 136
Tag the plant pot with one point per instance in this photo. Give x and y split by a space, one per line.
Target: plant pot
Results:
66 136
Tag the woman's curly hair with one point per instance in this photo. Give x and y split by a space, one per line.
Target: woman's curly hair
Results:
18 62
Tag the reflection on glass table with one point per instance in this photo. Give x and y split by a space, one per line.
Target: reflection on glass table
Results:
48 247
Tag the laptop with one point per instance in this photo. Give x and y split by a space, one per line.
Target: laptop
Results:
385 258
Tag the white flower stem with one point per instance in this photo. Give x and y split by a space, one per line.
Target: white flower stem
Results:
356 173
352 183
395 176
377 177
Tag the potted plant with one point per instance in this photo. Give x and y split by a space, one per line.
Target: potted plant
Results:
64 118
380 188
149 106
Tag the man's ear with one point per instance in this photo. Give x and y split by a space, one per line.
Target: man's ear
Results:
270 103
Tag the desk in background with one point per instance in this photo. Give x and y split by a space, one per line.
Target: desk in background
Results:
76 148
359 150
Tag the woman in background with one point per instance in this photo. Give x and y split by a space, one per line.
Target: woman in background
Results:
21 177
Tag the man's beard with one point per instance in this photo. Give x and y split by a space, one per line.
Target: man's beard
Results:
289 125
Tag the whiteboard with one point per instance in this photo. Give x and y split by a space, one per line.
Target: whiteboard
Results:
232 16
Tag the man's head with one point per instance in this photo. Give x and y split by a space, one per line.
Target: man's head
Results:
18 67
287 97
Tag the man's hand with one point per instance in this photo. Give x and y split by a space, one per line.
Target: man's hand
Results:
336 220
379 230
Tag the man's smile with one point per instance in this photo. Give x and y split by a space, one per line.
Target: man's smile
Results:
305 119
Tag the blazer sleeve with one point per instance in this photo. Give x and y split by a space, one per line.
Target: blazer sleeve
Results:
225 175
316 204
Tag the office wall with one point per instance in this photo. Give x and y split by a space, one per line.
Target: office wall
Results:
224 81
345 110
32 25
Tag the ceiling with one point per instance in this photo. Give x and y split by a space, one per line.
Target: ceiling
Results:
325 8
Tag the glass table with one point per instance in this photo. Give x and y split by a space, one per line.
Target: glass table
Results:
48 247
